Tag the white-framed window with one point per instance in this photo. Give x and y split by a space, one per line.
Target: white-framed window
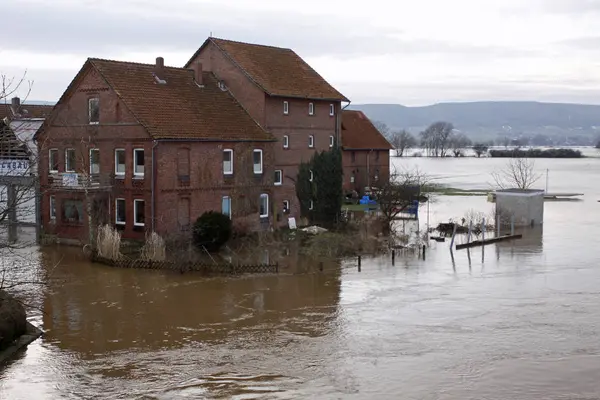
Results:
286 206
286 142
138 162
70 160
278 180
352 178
227 162
311 176
311 205
94 110
139 212
120 212
226 206
120 162
52 207
264 205
311 109
257 161
94 161
331 141
311 141
331 110
53 160
286 108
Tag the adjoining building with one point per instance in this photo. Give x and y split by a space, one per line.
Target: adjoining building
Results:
286 97
18 160
366 153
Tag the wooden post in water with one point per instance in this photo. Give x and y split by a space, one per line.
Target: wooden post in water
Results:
424 251
453 236
470 231
393 257
321 266
483 229
359 262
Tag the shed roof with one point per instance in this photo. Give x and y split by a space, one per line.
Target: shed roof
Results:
358 132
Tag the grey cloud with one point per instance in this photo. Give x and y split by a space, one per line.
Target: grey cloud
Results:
104 31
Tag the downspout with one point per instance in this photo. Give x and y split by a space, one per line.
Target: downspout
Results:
338 125
153 183
369 169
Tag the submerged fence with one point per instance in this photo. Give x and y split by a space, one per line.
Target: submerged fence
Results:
193 266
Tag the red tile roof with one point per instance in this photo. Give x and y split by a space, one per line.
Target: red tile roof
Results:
25 111
278 71
358 132
179 109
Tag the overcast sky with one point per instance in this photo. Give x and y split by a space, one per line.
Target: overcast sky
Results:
412 52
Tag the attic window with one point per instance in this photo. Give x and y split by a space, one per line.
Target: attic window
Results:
311 109
159 81
286 108
331 110
94 110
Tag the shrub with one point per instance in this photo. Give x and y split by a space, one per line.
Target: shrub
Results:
154 248
108 243
212 230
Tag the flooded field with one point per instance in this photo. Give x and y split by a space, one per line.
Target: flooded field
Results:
518 320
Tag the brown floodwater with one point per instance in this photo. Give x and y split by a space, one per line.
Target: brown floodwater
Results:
518 320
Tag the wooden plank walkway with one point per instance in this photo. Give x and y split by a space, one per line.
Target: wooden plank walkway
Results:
485 242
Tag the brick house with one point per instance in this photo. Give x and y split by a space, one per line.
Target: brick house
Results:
147 147
287 98
365 153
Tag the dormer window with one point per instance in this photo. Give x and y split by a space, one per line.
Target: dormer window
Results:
311 109
94 110
286 108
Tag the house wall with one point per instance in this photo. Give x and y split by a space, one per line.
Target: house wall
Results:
69 127
298 125
180 200
364 167
245 91
526 208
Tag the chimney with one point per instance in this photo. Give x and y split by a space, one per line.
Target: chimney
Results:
159 68
16 103
198 73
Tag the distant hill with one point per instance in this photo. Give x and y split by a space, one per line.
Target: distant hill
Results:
568 123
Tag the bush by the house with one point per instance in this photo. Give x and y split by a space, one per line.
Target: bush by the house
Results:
212 230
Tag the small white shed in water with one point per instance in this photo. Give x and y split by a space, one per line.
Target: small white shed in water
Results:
525 206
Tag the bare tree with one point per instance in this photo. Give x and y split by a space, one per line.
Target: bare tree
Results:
399 193
479 149
382 128
436 139
402 141
458 143
519 173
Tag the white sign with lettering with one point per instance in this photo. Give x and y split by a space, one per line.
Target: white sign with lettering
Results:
14 168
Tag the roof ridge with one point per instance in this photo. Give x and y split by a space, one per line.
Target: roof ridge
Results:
93 59
251 44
